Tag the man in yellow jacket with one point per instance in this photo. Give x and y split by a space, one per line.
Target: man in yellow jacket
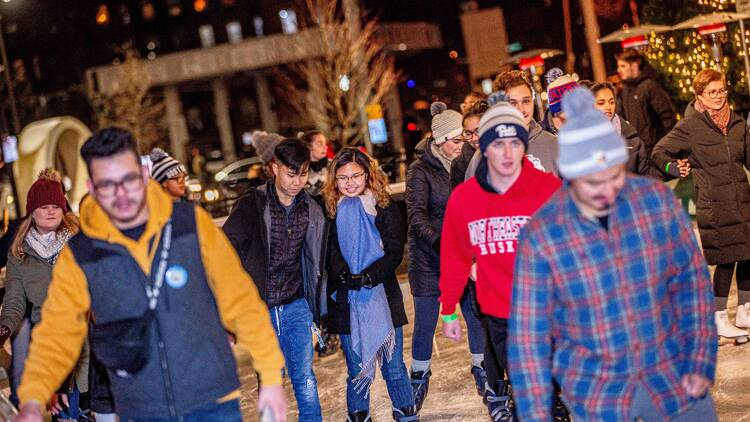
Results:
162 285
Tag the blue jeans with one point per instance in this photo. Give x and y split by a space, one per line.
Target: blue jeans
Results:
293 325
643 407
217 412
394 373
19 346
426 312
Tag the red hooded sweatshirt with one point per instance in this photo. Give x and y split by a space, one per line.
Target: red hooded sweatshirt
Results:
483 225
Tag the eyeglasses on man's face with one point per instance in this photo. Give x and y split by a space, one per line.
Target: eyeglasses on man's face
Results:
130 183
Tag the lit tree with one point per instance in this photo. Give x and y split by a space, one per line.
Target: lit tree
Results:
133 106
680 55
352 71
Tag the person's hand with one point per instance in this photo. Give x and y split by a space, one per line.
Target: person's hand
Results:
272 397
452 330
57 402
473 273
695 385
30 412
4 334
684 167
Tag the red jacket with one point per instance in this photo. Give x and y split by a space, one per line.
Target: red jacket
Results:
483 225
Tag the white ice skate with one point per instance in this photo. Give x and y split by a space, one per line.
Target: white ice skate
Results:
743 316
727 329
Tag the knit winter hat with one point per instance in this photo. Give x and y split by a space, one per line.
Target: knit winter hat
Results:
559 84
264 144
501 121
164 166
588 141
446 124
47 190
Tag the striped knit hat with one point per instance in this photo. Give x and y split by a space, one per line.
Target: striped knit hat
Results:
165 167
501 121
559 84
588 141
446 124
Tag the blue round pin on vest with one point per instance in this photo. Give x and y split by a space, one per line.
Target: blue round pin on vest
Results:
176 276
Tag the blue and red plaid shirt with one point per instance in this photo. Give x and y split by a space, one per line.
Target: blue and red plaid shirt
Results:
604 310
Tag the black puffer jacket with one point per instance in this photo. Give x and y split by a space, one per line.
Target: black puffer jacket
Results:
391 227
646 105
460 165
427 191
721 187
639 161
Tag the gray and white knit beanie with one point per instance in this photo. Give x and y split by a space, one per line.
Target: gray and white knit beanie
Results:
501 121
164 166
587 141
264 144
446 124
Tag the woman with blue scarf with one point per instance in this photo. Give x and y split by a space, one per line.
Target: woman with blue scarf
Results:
366 307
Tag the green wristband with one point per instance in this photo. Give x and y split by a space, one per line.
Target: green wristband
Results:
667 168
450 318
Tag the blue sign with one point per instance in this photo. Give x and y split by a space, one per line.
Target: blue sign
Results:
378 132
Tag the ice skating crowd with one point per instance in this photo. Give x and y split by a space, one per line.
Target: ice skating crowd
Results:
584 290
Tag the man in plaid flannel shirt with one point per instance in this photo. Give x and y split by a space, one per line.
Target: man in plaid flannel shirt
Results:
611 295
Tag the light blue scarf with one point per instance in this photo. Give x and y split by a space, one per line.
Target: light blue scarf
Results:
372 332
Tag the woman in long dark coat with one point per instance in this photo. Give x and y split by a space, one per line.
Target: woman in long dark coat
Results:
714 141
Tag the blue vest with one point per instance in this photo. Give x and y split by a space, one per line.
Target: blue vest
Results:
190 362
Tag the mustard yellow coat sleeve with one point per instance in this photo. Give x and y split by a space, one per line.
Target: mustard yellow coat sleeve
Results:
57 340
241 309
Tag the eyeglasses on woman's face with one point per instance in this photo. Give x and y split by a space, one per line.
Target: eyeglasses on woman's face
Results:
716 93
344 179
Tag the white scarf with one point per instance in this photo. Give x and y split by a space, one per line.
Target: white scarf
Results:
48 245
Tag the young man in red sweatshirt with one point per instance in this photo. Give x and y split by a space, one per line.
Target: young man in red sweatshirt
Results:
480 233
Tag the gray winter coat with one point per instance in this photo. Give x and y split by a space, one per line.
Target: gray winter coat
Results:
26 280
721 187
542 151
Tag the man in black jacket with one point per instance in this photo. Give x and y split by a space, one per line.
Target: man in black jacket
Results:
643 102
279 232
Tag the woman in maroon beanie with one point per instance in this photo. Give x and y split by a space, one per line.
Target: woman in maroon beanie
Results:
35 248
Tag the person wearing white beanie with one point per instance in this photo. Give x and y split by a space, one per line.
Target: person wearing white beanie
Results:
611 294
483 220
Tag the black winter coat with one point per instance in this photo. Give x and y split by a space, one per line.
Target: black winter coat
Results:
721 187
391 227
646 105
427 191
639 161
460 165
248 229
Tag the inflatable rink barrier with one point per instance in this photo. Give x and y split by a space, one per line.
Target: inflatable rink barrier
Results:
54 142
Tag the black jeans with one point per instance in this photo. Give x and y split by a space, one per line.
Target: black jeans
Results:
495 356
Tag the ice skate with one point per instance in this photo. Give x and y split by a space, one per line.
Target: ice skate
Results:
361 416
742 320
500 404
480 378
727 330
406 414
420 384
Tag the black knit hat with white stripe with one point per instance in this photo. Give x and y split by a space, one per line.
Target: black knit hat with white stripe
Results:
164 166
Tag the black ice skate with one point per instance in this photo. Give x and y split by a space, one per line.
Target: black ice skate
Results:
420 384
361 416
560 413
406 414
480 378
500 404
